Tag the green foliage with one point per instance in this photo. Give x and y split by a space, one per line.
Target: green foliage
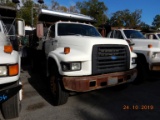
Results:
126 18
56 6
144 27
95 9
8 3
73 9
26 12
156 22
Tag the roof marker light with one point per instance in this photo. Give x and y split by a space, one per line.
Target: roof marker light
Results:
8 48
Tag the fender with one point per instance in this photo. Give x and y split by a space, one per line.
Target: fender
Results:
75 55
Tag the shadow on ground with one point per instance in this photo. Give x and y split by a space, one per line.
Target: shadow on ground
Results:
38 81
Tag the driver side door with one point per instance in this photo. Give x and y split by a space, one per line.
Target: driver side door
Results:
51 42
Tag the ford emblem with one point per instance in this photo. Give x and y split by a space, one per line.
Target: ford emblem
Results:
113 57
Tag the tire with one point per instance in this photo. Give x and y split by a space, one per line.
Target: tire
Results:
60 95
143 70
11 107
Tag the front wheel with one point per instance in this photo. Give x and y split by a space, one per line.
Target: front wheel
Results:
143 71
11 107
60 95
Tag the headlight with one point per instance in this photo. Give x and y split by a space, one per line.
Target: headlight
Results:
3 70
134 60
73 66
155 54
9 70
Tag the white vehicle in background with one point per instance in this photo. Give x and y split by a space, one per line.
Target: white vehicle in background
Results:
10 63
148 50
153 36
78 58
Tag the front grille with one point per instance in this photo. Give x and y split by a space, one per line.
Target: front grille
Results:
110 58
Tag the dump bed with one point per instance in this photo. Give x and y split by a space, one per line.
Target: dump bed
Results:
7 14
50 17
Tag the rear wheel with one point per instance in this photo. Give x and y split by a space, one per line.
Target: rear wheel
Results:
60 95
11 107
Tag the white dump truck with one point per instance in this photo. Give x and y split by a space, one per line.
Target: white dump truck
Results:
10 62
78 58
148 50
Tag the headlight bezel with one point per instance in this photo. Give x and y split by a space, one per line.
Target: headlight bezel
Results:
71 66
10 70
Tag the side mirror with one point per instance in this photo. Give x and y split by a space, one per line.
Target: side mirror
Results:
20 24
40 32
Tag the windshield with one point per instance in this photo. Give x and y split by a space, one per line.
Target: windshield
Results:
77 29
134 34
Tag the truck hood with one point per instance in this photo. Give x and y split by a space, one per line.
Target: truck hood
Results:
84 43
145 42
6 58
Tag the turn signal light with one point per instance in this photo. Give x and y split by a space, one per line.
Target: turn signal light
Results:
66 50
150 46
13 70
8 48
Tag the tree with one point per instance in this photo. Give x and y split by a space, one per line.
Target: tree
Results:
136 18
73 9
62 8
26 12
55 5
156 22
8 3
95 9
144 27
125 18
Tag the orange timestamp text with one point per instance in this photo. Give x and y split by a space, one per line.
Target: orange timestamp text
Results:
138 107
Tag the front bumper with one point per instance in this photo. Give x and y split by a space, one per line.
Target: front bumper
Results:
9 90
88 83
155 67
